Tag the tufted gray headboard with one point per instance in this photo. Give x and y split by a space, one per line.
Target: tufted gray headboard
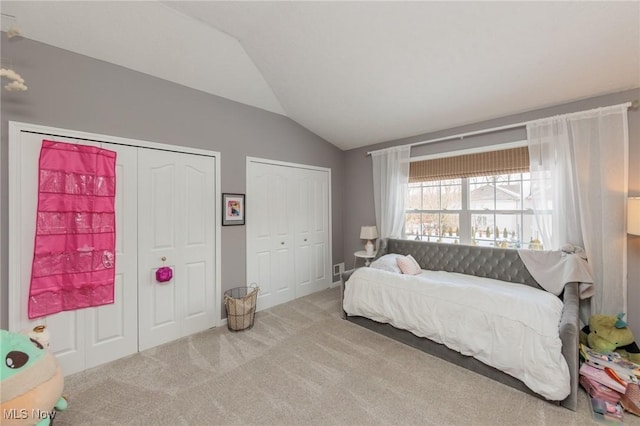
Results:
488 262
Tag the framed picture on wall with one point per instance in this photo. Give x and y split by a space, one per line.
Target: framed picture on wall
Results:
233 209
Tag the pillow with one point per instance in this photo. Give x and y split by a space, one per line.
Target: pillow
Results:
408 265
387 263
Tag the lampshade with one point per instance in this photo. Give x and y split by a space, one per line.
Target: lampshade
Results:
633 216
368 233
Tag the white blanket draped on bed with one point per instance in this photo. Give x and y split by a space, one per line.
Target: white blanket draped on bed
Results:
512 327
553 269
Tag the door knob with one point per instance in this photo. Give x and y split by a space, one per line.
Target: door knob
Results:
282 242
305 239
163 258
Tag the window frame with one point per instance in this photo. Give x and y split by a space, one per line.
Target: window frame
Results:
465 213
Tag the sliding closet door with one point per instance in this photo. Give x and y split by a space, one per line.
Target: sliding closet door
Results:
270 258
312 231
176 228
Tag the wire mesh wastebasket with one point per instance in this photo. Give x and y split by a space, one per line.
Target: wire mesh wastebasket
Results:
241 307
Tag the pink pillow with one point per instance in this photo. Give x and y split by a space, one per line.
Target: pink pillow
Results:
408 265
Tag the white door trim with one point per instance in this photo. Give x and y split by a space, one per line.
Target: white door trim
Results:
15 128
288 164
297 166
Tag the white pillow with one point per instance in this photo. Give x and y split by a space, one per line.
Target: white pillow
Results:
387 263
408 265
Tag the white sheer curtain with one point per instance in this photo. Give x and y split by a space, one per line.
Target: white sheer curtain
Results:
390 181
579 169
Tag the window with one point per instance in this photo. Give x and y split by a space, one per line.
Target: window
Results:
478 206
433 210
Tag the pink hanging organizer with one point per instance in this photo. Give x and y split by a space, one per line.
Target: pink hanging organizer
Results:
74 252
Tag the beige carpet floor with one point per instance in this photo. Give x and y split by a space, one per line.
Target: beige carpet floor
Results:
299 365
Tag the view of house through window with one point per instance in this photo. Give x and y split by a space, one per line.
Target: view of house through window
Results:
489 210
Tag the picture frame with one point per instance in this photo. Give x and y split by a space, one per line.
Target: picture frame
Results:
233 209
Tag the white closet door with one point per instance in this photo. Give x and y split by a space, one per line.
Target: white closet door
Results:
176 228
270 217
91 335
312 231
288 249
112 330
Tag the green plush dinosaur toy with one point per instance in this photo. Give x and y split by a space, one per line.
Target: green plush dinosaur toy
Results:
606 333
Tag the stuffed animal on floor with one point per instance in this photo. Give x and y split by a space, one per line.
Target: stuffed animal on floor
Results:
31 381
606 333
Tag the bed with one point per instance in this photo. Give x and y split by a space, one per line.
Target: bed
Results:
478 307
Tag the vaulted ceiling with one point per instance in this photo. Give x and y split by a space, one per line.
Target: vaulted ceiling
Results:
358 73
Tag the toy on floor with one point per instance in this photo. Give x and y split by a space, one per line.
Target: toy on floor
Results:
606 333
31 381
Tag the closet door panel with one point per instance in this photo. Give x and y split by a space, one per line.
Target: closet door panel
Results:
321 229
176 229
196 287
320 262
303 219
158 199
280 274
261 275
67 329
161 186
74 334
67 339
108 321
259 255
197 214
112 330
281 213
197 239
312 233
270 233
26 185
164 307
304 264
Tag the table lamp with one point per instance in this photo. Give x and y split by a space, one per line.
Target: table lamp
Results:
633 216
368 233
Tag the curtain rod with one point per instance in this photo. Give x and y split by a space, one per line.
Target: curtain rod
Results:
632 105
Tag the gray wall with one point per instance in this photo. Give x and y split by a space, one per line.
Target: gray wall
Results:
358 191
76 92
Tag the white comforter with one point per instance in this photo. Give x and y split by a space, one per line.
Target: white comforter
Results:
511 327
